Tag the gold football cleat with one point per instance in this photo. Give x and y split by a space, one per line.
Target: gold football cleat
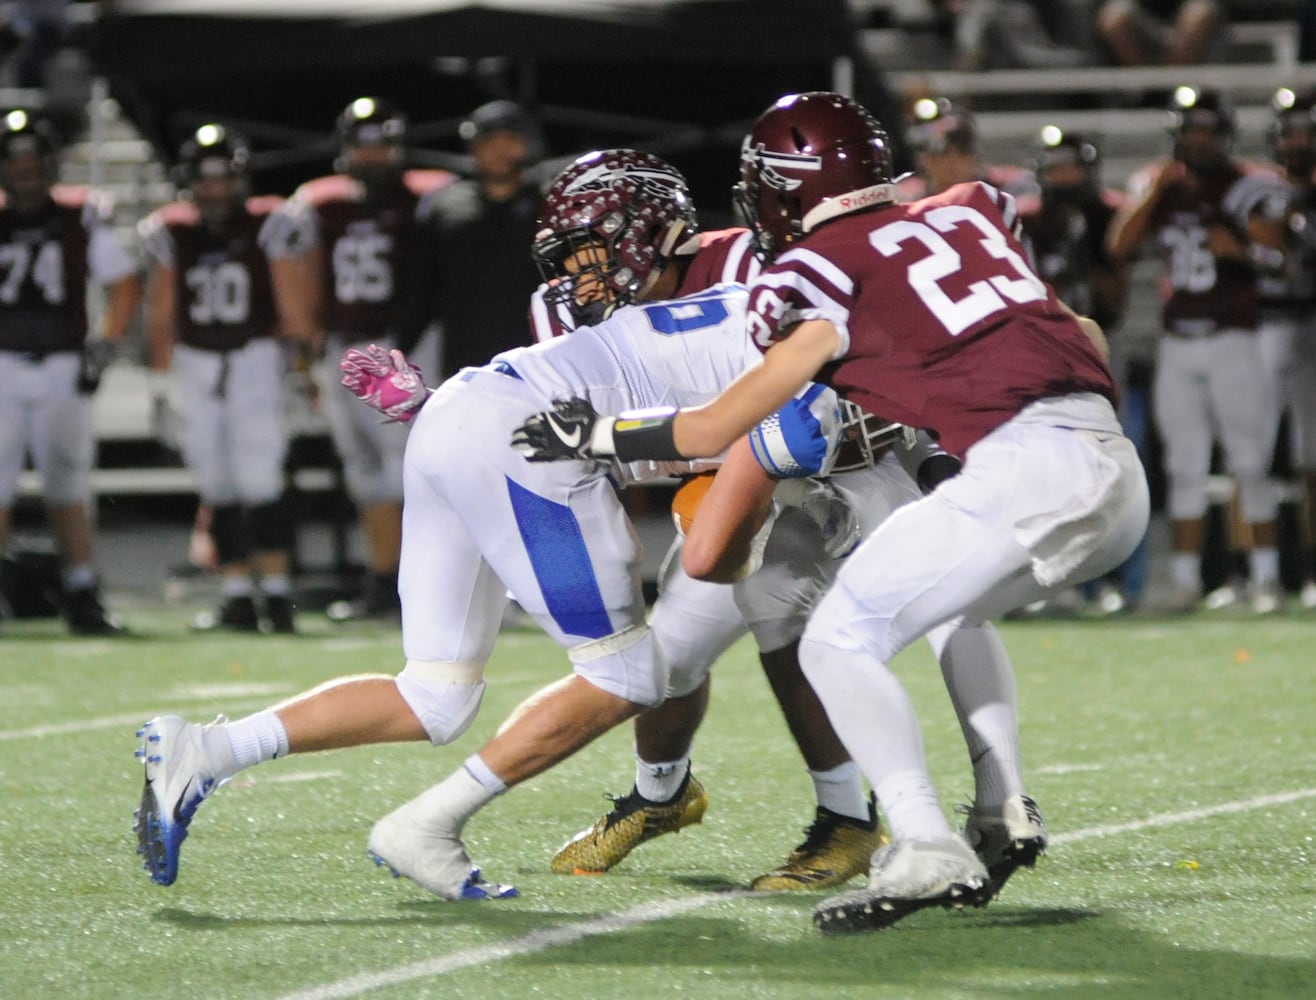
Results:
632 821
836 848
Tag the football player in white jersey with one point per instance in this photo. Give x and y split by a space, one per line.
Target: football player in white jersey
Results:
556 537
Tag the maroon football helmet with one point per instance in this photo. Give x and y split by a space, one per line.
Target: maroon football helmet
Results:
28 148
809 158
633 208
1293 130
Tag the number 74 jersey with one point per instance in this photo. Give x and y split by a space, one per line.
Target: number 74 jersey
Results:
944 324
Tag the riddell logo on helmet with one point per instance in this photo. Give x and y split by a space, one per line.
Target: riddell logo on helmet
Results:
868 196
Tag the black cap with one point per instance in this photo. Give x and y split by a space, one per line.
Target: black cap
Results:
497 116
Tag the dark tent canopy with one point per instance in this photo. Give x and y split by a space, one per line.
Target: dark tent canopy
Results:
682 78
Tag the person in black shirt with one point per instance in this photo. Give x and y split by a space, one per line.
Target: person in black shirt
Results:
476 273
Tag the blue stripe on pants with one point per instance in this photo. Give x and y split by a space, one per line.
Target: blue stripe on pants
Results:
561 563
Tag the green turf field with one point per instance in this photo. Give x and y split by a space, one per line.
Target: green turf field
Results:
1175 762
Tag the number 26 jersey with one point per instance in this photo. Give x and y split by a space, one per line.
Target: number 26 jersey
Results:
944 324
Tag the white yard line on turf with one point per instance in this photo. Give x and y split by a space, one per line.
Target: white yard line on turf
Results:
538 941
650 912
1187 816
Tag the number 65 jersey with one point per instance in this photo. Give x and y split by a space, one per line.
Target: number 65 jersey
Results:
944 324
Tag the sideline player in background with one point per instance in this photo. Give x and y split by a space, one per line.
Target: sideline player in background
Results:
360 229
222 273
53 240
1286 265
944 136
1206 216
472 273
929 314
1066 229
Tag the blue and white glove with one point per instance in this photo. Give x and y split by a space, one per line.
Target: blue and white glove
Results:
801 438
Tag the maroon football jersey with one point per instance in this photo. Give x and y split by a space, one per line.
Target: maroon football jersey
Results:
945 325
723 256
221 279
43 272
365 245
1204 292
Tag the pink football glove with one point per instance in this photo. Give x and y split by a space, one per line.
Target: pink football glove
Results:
384 380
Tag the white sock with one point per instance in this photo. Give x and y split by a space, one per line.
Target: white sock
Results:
79 577
482 773
980 681
660 782
235 585
275 585
911 806
1186 570
253 740
454 800
876 721
841 789
1264 565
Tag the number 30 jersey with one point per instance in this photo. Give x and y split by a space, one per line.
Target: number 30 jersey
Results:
944 325
221 277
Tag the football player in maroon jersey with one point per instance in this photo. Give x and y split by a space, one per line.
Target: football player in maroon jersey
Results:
929 314
1288 296
944 136
53 239
361 229
1205 213
223 270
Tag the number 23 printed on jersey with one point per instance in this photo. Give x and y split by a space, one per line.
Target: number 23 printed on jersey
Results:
988 295
1005 276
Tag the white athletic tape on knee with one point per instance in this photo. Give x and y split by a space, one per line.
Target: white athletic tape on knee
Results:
614 664
609 645
445 695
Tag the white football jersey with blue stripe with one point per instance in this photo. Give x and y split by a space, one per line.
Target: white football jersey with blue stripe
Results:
675 353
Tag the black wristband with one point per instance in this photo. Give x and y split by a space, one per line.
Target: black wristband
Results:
637 439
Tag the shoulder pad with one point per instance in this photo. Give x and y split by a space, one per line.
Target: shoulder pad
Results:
333 187
422 182
177 213
261 205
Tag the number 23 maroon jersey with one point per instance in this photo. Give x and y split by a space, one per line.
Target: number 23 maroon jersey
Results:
944 324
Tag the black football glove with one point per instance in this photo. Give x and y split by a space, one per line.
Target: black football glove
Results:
564 432
96 357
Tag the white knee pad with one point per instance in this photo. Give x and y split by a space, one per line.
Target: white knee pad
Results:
627 664
1257 498
445 695
1187 499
